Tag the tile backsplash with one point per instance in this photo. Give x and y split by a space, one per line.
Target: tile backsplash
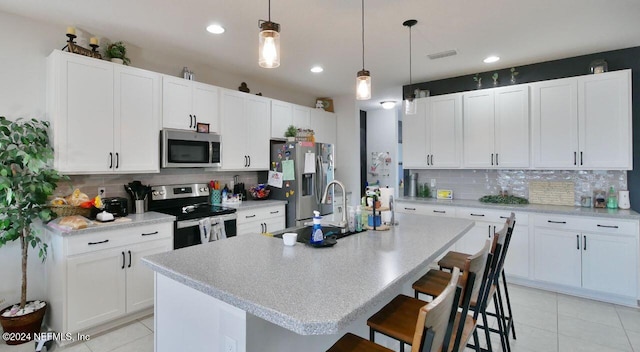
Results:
114 184
473 184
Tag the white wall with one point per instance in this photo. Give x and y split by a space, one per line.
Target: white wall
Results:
348 144
382 136
25 45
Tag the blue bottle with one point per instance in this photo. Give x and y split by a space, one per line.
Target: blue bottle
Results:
316 232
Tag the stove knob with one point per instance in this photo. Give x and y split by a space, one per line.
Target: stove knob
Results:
162 193
155 193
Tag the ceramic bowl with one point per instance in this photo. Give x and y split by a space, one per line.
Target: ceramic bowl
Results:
289 238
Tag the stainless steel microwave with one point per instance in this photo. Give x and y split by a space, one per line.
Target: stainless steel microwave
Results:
189 149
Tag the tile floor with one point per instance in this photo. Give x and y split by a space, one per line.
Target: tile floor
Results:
545 322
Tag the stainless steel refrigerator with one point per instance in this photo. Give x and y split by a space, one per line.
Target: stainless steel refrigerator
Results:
304 181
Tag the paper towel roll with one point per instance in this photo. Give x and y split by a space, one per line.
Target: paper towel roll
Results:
385 193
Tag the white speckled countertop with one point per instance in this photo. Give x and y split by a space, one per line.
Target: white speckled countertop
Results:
148 218
291 286
248 204
534 208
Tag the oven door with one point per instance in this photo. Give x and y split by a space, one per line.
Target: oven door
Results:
187 232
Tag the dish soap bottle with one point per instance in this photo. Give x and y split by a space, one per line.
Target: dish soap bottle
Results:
316 232
612 201
358 218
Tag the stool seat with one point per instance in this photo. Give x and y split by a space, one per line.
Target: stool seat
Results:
432 283
353 343
398 318
453 259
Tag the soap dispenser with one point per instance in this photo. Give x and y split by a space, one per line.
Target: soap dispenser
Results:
612 201
316 232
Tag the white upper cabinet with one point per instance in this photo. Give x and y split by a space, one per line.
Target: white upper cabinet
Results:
281 118
496 128
583 122
105 118
301 116
245 131
432 138
187 103
323 124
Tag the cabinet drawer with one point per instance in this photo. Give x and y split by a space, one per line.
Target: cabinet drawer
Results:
495 216
262 213
115 238
612 226
425 209
558 222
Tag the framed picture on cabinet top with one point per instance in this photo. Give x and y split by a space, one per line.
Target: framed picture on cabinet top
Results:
202 127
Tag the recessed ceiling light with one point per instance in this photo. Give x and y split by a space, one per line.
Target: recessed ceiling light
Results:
388 104
317 69
215 29
491 59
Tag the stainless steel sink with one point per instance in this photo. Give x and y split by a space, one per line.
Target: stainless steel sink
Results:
304 232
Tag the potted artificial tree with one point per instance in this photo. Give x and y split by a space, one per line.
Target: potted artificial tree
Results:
117 53
26 180
291 133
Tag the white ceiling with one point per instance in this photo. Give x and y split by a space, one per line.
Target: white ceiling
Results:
328 33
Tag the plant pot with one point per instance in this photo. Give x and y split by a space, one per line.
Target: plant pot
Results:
22 326
291 139
115 60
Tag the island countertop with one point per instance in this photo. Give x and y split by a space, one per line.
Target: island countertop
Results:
312 291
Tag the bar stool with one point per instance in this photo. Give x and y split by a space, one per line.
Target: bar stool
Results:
436 319
455 259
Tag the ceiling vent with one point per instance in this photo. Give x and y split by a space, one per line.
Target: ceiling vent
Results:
442 54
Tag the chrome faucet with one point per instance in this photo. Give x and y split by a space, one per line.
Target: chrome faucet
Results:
343 222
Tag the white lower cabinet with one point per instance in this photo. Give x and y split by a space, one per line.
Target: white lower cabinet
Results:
261 220
96 278
588 253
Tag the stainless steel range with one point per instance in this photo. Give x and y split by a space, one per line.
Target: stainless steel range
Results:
189 203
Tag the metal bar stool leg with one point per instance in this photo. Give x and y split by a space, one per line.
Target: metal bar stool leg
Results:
506 294
501 332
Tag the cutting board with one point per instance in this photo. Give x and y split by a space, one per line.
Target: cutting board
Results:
552 192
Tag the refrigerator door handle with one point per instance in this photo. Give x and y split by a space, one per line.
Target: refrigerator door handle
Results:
319 177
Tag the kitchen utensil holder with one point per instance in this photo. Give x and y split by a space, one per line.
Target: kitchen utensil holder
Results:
139 205
216 197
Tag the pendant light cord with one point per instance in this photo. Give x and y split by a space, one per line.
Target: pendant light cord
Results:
362 34
410 82
269 10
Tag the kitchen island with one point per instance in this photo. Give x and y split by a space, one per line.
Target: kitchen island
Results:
252 293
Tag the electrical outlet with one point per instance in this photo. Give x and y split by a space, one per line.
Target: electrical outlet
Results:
433 183
102 192
229 344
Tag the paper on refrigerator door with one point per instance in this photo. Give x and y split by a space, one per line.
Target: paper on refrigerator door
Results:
310 163
275 179
288 171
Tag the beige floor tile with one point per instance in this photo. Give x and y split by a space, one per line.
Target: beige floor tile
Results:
534 339
144 344
78 347
595 333
25 347
634 339
630 318
148 322
536 318
533 298
119 337
590 310
572 344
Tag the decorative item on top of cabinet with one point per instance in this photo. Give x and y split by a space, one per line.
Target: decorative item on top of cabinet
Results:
73 47
598 66
478 79
244 88
117 51
291 133
495 78
327 104
514 73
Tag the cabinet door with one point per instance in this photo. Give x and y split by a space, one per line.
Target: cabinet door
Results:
512 127
176 103
301 116
257 132
517 260
136 120
604 111
414 143
205 105
557 257
323 124
555 123
607 261
281 118
475 239
275 224
478 123
249 228
95 288
233 132
139 276
85 116
444 129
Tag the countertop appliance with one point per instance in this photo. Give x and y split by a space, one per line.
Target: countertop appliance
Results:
189 203
189 149
118 206
312 170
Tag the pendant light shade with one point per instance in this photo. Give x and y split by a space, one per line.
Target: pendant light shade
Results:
269 43
410 105
363 78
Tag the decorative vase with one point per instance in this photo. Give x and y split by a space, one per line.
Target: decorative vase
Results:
22 326
115 60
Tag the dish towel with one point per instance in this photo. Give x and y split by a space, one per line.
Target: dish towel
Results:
217 231
205 230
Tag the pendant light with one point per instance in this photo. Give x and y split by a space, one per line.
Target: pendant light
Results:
363 79
269 41
410 107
